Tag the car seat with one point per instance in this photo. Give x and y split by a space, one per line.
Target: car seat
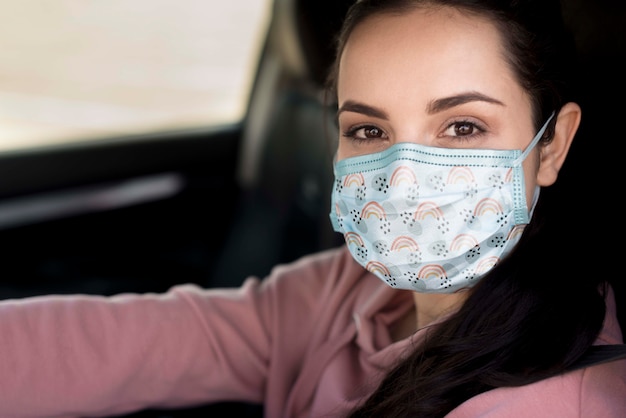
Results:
285 170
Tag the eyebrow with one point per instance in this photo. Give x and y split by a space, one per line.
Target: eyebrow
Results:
445 103
352 106
434 106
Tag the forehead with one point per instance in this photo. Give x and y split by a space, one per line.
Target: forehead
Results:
439 51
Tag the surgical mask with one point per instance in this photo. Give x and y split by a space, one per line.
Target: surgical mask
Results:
432 220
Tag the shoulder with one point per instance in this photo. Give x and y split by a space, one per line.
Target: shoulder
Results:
603 388
596 392
332 270
330 285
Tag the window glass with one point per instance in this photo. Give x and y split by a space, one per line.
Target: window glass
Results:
76 70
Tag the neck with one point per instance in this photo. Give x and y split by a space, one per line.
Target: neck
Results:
429 307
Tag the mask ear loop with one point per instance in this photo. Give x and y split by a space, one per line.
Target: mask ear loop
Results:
532 144
518 162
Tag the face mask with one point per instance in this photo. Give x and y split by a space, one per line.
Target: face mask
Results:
432 220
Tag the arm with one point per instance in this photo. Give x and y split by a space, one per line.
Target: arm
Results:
97 356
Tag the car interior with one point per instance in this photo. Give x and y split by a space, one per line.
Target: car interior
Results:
223 203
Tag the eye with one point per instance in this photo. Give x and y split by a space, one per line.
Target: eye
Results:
466 129
365 132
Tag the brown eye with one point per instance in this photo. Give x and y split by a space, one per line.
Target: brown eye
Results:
372 132
464 128
365 132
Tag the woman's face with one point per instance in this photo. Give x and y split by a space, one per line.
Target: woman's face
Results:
436 77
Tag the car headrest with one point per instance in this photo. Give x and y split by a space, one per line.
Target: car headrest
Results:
317 23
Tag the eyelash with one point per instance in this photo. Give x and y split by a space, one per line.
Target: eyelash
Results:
477 129
350 133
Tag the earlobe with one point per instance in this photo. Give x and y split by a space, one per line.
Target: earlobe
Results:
552 155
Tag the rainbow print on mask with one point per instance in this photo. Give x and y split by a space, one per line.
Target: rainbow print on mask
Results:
431 271
463 242
426 210
509 176
373 209
459 175
354 180
515 232
378 268
486 206
402 175
486 264
404 242
352 238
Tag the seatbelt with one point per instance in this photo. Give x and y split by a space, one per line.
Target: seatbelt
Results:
597 354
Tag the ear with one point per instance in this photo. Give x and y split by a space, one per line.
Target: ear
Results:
552 155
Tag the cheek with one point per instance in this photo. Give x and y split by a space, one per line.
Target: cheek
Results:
348 148
340 152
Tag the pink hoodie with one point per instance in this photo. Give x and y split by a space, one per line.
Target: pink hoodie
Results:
308 341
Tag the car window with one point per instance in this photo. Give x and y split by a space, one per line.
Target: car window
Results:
76 70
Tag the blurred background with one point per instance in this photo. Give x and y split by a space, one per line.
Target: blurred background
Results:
76 70
120 123
145 144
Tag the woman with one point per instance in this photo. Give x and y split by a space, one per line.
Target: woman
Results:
454 115
467 75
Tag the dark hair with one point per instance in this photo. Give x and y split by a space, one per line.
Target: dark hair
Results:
531 316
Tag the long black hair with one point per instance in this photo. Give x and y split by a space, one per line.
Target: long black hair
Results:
534 314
